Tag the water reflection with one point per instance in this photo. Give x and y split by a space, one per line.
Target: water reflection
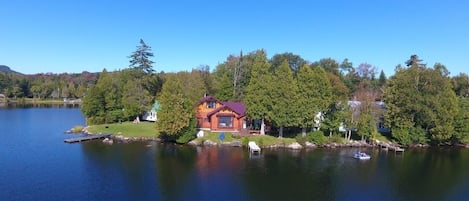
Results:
223 173
35 164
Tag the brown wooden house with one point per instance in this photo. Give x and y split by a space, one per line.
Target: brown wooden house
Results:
215 115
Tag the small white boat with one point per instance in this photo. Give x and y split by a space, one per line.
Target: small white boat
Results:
362 156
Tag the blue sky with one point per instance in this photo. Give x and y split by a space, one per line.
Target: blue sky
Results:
77 35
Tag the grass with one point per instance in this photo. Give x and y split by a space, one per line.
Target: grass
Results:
261 140
127 129
382 138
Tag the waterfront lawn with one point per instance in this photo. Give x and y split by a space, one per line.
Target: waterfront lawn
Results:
261 140
127 129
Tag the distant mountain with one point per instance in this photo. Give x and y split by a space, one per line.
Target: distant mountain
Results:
6 69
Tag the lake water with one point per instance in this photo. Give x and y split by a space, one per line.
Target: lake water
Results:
35 164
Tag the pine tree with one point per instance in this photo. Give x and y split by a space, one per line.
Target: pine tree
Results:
140 59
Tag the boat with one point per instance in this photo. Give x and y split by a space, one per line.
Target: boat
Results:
362 156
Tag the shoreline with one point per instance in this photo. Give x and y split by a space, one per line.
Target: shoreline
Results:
119 137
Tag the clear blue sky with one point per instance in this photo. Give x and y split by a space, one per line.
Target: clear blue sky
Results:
77 35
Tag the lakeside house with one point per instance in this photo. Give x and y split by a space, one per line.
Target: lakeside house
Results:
152 115
215 115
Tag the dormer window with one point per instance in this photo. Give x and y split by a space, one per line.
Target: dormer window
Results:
211 104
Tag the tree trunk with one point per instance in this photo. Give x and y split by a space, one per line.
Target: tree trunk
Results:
303 132
262 132
330 133
280 132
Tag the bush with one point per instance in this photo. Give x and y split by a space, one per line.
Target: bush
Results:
300 139
95 120
402 136
418 136
76 129
336 138
317 137
188 133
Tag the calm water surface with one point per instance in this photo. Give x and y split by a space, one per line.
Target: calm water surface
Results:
35 164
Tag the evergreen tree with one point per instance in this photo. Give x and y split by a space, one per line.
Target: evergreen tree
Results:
135 99
366 127
334 117
461 122
382 79
258 98
314 95
284 95
422 98
140 59
94 103
222 84
176 110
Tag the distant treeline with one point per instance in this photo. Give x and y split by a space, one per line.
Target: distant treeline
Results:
46 86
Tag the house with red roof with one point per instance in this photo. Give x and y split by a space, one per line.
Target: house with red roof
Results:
216 115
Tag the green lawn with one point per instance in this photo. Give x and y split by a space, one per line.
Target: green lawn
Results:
128 129
261 140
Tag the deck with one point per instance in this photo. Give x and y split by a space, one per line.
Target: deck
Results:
86 138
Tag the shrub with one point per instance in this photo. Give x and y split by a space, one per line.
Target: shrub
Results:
300 139
402 136
317 137
188 133
77 129
336 138
417 135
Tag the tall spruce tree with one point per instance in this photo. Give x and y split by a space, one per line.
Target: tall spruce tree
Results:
140 59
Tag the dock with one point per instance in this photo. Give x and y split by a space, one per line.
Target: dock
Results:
86 138
253 148
386 147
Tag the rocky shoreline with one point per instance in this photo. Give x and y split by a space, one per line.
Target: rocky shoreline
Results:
237 143
294 146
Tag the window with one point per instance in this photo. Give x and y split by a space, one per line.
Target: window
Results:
211 104
225 122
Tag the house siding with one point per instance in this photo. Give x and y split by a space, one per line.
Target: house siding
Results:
201 114
209 120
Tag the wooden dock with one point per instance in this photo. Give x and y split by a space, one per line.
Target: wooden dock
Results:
385 147
253 148
86 138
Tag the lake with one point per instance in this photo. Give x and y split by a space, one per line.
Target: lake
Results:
35 164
